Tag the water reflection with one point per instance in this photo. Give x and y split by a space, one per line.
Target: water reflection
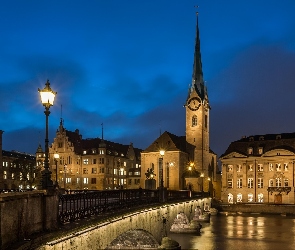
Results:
242 232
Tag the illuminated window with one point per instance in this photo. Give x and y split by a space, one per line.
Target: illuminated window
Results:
250 197
230 183
85 171
194 121
230 168
4 175
230 198
260 150
85 161
250 167
85 180
260 182
84 152
93 151
101 151
94 170
270 183
239 198
239 183
239 168
250 151
68 180
285 166
250 182
286 182
28 176
260 167
260 197
12 176
278 167
20 175
270 167
278 182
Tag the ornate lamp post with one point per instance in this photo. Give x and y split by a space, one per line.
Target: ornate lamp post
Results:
56 157
47 98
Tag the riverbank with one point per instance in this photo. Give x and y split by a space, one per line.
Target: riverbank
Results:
283 209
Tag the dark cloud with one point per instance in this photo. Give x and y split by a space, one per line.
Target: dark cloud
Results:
255 96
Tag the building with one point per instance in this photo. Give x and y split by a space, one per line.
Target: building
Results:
260 169
188 162
17 170
95 163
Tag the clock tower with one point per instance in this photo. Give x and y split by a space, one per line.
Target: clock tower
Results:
197 114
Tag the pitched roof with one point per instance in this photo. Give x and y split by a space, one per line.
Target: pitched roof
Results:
168 142
112 148
267 142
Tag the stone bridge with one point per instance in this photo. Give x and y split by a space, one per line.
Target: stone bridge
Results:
144 228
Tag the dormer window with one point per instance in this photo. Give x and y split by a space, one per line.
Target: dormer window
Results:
250 151
251 138
278 137
260 150
93 151
84 152
261 138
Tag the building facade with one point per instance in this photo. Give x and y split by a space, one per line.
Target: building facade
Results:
259 169
94 164
188 161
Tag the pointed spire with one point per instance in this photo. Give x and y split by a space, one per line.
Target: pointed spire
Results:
197 76
102 144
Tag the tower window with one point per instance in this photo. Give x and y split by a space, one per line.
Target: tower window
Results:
194 121
206 121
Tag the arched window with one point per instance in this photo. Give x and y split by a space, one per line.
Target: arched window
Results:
194 121
260 197
239 198
230 198
250 197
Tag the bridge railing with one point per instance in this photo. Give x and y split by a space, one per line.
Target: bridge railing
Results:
81 204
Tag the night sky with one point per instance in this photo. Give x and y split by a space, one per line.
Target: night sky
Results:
128 64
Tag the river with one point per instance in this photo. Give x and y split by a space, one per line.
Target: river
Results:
246 231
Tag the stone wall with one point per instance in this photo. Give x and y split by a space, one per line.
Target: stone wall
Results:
101 235
258 208
23 214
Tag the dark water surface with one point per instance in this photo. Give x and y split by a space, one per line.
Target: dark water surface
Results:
246 231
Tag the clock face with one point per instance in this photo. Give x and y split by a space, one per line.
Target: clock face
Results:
194 103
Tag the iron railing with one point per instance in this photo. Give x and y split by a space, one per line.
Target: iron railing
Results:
79 204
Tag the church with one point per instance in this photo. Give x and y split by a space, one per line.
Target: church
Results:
186 162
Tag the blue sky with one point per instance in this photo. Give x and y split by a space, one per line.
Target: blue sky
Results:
127 64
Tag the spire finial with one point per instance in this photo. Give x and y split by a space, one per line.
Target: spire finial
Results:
61 123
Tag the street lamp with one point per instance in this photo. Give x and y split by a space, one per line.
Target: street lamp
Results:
47 98
202 185
56 157
162 152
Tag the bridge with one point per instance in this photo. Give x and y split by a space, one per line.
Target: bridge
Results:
92 219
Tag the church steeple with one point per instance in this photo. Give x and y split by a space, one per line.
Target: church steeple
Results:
197 76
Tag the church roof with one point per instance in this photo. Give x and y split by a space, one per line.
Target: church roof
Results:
267 142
